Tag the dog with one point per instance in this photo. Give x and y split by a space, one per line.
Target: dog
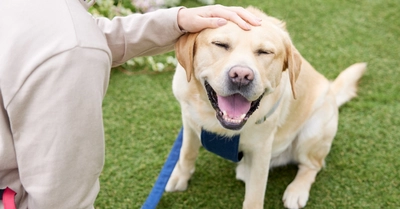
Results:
253 88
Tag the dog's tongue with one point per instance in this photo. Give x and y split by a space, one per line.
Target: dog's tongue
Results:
234 105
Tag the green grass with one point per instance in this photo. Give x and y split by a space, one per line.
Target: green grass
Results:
142 118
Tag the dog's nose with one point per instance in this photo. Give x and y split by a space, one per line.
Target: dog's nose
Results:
240 75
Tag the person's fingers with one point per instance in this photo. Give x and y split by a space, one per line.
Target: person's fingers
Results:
230 15
246 15
210 23
197 19
238 15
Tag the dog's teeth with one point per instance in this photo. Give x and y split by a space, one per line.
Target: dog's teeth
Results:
226 118
231 120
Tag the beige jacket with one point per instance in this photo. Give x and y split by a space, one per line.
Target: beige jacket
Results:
54 68
140 35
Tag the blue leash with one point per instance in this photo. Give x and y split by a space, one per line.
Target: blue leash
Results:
225 147
159 187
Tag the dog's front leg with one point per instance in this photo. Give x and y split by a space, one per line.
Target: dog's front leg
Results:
185 166
257 160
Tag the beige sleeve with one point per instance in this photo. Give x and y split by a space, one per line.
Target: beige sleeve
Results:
141 34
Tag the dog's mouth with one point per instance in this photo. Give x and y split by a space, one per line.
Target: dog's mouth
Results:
232 111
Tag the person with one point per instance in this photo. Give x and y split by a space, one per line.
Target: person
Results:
55 61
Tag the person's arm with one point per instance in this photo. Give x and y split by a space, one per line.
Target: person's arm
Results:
156 32
141 34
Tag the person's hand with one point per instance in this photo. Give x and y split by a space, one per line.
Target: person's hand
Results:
199 18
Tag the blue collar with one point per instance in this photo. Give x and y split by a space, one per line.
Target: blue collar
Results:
224 146
228 147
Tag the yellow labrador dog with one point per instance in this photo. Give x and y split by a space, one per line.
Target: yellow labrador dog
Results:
254 90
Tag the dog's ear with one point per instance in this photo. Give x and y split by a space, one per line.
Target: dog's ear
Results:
293 64
184 50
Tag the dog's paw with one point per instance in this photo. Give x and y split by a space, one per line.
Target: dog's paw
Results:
295 196
178 180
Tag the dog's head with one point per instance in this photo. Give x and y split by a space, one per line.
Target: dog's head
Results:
237 68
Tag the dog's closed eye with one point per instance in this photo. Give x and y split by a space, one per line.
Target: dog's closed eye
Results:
221 45
263 51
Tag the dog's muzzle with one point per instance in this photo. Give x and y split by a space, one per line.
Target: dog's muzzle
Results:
232 111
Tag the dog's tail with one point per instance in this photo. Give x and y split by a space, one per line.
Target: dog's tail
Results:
345 85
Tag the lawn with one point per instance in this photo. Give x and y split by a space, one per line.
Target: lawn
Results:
142 118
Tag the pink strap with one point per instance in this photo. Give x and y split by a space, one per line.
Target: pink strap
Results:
9 198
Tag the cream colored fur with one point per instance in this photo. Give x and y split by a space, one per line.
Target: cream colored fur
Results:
300 130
